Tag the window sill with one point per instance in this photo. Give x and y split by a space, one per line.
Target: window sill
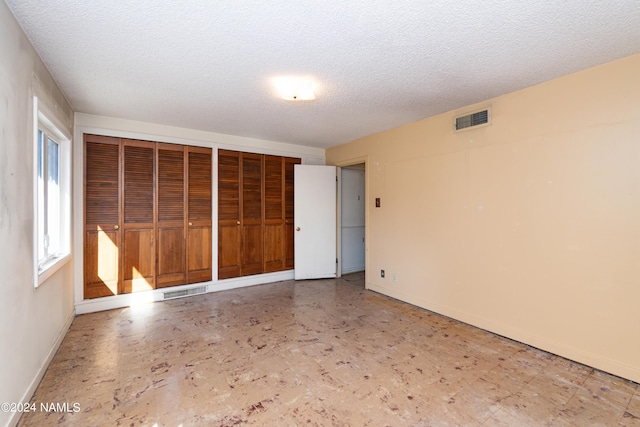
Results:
50 268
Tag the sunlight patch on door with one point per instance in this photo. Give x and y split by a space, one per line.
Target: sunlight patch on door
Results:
107 260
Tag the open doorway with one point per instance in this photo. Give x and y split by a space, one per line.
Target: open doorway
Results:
351 219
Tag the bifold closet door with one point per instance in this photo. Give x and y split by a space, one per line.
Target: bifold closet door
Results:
171 193
138 200
199 214
228 214
240 216
289 163
255 213
251 214
274 231
101 216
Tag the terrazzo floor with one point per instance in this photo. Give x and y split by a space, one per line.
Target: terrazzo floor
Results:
323 352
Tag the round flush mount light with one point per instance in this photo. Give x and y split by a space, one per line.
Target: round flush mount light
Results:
293 88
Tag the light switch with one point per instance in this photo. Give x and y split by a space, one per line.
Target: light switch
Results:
377 202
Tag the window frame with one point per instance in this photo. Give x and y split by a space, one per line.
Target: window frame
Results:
46 122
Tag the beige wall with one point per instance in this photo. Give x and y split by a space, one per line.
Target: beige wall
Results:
32 321
529 227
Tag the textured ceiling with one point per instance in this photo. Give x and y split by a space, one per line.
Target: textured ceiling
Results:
207 65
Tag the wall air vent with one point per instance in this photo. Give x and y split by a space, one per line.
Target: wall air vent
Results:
472 120
185 292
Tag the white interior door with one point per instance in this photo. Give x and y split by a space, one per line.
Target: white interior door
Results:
315 221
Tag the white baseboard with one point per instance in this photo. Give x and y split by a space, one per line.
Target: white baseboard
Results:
128 300
258 279
576 354
28 394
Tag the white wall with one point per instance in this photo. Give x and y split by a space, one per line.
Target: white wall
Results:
32 321
352 202
529 227
110 126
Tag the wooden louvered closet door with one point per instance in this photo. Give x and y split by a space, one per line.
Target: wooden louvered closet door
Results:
251 214
255 213
199 215
274 231
171 215
148 215
102 216
228 214
289 163
138 200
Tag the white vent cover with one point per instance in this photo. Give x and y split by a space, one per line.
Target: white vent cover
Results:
185 292
472 120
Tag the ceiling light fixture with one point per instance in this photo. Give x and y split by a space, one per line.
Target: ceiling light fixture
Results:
294 88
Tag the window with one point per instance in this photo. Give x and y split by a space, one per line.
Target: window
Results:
52 195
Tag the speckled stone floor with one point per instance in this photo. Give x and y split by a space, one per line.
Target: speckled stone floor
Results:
324 352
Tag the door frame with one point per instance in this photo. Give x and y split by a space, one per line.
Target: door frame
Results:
340 165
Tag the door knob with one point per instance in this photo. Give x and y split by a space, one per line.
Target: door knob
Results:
238 222
190 224
297 228
115 227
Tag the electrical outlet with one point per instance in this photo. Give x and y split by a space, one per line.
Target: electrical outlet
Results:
382 273
395 277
